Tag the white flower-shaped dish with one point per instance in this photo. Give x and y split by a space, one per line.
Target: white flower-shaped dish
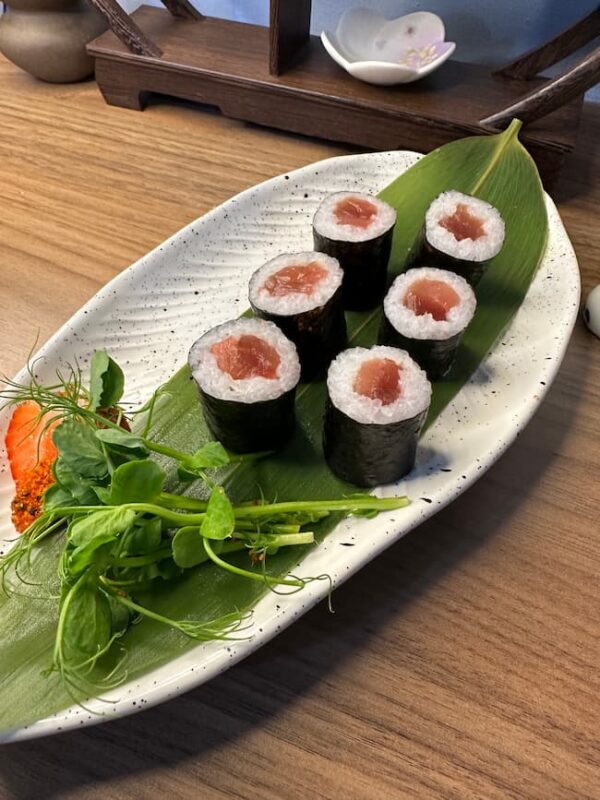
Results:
385 52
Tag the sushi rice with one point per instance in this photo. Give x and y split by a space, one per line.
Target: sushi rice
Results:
219 384
326 224
424 326
295 302
414 397
484 247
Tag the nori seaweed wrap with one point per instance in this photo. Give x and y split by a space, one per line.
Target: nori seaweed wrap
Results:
247 371
251 427
377 401
357 229
426 312
301 293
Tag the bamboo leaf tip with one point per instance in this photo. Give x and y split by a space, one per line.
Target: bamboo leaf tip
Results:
513 129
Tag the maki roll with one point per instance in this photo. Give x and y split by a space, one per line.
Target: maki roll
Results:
462 234
302 294
247 372
377 401
357 229
426 312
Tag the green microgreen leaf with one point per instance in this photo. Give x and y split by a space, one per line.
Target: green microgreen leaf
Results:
186 476
188 547
84 635
219 521
120 616
70 484
136 482
106 381
123 441
112 521
90 534
80 451
145 537
86 621
189 551
56 496
212 454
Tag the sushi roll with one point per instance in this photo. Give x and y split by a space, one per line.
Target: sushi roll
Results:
247 371
302 294
426 312
377 401
357 229
462 234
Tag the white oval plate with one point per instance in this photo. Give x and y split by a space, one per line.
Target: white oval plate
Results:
150 314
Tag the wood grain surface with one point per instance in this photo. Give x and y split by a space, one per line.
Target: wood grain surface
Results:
463 663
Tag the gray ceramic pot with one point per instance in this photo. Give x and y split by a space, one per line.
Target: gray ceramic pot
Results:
47 38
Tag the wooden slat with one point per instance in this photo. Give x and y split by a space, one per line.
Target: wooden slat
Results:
553 95
550 53
182 9
289 33
126 29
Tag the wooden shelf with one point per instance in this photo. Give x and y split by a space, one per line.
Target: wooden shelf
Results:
226 64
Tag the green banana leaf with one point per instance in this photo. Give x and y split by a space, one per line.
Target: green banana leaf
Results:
495 168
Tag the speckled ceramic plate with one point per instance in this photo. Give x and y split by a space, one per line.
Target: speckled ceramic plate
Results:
149 316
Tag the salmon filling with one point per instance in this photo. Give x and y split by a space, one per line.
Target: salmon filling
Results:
427 296
246 356
379 379
355 211
462 224
301 279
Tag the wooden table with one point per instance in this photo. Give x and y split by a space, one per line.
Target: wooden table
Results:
461 664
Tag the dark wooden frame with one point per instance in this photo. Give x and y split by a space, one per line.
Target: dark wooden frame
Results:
180 52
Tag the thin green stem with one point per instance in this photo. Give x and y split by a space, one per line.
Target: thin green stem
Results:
162 449
244 458
257 526
218 628
179 501
230 546
179 520
367 503
142 561
275 540
244 573
133 606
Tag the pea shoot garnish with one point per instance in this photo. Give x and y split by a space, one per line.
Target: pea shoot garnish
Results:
125 534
